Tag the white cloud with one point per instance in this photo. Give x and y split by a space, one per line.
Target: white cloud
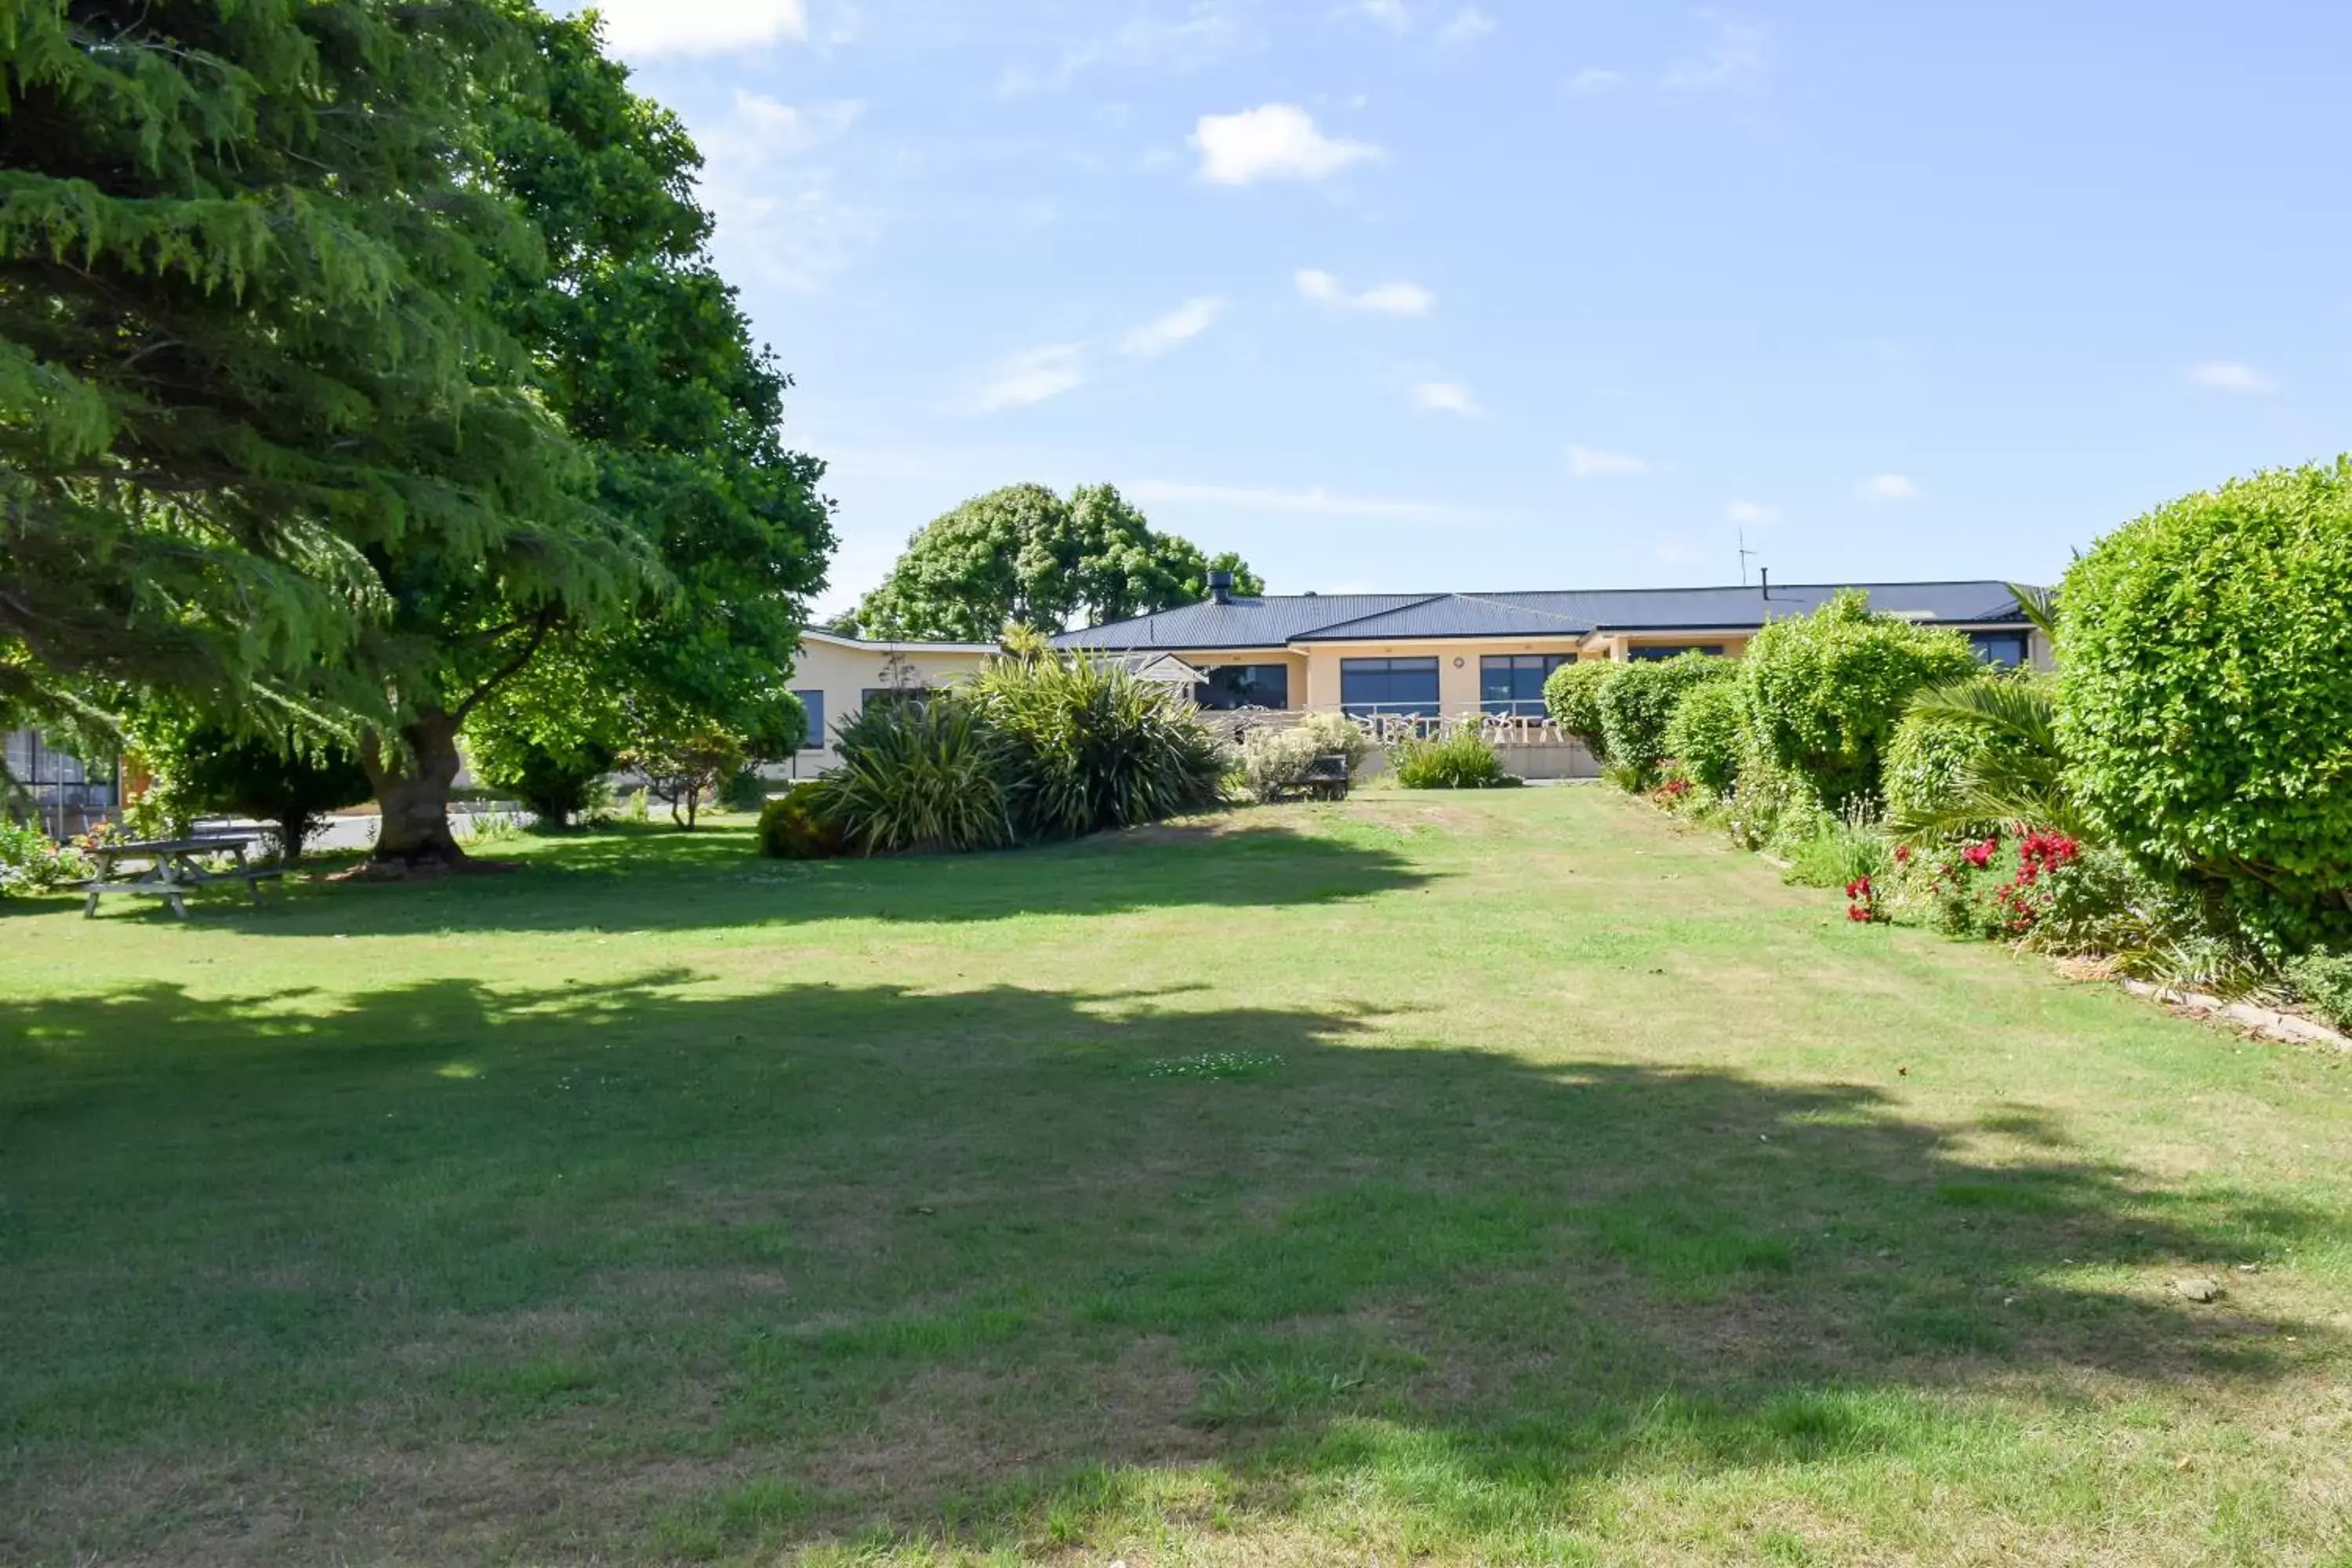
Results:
784 128
1586 463
1182 324
1313 502
1888 487
2228 375
1751 513
1034 377
1738 58
641 29
1210 31
1447 397
1592 80
1383 299
1389 13
1467 28
781 216
1276 141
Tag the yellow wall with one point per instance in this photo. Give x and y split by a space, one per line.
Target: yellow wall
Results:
846 674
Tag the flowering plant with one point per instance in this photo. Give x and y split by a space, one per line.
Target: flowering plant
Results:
1862 901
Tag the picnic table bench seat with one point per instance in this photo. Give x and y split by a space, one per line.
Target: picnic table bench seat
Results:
174 866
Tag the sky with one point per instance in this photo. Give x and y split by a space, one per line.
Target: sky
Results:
1422 295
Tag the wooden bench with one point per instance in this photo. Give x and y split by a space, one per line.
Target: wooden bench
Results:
174 866
1326 779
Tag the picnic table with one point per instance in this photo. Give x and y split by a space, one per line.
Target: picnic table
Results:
173 866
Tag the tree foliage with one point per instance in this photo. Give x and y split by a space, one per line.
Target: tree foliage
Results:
2206 693
1702 736
287 779
1823 693
1572 696
1024 554
1639 701
246 348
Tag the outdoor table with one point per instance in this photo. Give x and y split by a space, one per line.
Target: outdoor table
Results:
174 866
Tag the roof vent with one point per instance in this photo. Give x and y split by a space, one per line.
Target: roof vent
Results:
1221 587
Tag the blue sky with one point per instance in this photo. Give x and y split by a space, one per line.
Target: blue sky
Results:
1424 294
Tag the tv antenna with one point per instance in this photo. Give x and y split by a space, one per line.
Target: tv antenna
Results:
1744 553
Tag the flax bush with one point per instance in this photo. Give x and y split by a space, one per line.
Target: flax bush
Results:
923 774
1084 746
1463 760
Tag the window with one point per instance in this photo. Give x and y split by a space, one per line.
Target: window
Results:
1232 686
2003 651
1370 686
1673 651
815 702
873 694
1513 683
66 793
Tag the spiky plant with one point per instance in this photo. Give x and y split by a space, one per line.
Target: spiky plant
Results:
917 774
2012 771
1087 746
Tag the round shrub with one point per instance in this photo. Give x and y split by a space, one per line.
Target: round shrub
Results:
1928 759
1639 702
800 825
1336 734
1703 735
2206 693
1572 696
1272 760
1823 693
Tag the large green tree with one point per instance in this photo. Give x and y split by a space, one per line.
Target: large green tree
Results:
642 350
246 345
1024 554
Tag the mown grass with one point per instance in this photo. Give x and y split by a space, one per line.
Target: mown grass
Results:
1497 1178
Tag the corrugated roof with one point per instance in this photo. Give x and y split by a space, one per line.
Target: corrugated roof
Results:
1279 620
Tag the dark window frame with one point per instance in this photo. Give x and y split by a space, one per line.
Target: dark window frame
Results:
813 699
1386 701
1515 701
1243 681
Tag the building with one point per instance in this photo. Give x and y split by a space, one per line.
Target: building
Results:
1442 655
835 677
66 796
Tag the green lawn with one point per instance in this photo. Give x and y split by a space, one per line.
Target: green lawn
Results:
1507 1178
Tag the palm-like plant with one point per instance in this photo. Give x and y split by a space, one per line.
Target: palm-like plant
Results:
1088 746
2015 774
922 773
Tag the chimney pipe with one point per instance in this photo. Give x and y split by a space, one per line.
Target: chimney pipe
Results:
1767 581
1221 587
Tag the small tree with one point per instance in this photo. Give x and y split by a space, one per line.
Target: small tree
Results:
686 763
1823 693
1573 694
1703 735
1639 702
2206 694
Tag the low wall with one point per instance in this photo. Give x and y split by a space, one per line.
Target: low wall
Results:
1556 760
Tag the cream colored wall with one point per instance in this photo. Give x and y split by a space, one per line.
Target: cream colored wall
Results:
845 675
1457 664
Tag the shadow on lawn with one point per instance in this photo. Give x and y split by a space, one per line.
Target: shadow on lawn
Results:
716 1272
712 878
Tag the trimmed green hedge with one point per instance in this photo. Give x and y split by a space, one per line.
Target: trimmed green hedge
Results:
1703 735
1572 696
1639 702
2206 682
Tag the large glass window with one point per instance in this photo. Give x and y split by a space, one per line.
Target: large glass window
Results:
1512 683
814 701
1673 651
1232 686
67 794
2003 650
1406 686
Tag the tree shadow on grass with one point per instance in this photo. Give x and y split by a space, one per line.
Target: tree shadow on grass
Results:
678 881
709 1273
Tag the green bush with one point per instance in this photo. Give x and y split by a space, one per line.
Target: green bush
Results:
30 863
917 774
1273 761
1463 760
1572 697
291 782
1929 759
1840 852
1638 703
1085 746
1337 735
747 790
2323 982
1703 736
1773 807
2206 695
1823 693
800 825
560 784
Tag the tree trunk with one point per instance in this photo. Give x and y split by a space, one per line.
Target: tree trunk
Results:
412 781
289 839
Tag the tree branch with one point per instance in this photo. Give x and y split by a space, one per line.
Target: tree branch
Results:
543 626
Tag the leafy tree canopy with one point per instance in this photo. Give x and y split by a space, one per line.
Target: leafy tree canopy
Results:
248 355
1024 554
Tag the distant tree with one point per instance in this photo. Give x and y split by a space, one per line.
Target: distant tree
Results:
687 761
1024 554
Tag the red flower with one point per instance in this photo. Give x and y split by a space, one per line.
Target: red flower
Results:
1903 854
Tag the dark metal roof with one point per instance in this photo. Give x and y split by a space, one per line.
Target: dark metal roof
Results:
1277 621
